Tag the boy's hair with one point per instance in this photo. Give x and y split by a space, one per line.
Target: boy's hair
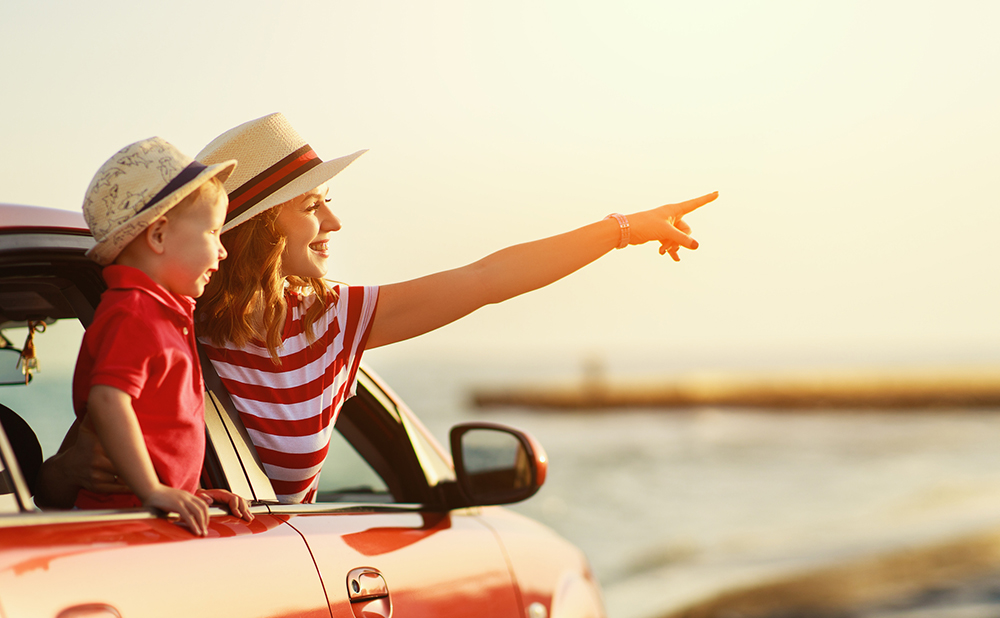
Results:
211 190
249 283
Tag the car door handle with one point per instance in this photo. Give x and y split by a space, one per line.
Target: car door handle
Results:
368 593
90 610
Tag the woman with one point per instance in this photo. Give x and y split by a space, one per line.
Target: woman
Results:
287 343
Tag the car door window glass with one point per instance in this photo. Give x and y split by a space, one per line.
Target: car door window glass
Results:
370 432
347 477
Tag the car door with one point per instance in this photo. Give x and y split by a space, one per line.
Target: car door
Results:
122 564
379 542
128 562
134 562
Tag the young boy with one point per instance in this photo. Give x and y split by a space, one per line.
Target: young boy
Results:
156 215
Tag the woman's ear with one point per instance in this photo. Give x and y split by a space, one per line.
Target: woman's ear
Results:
155 235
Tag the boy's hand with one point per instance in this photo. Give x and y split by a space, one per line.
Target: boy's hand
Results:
192 509
237 505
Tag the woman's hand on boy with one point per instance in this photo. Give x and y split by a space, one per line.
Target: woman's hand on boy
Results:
81 463
237 504
90 465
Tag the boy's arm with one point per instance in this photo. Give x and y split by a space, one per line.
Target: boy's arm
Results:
118 429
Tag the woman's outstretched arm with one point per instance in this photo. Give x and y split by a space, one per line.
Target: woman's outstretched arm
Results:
421 305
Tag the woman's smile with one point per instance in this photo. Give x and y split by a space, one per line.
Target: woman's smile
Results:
321 247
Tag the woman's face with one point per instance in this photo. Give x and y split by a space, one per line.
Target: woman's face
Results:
306 223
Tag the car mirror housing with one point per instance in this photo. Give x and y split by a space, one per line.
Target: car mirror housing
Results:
495 464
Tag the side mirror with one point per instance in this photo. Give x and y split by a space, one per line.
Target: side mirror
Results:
10 374
495 464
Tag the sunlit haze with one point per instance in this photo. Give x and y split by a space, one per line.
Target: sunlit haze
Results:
854 145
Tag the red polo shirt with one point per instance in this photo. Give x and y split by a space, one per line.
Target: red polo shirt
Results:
142 342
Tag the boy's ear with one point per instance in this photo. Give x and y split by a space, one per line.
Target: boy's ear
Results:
155 233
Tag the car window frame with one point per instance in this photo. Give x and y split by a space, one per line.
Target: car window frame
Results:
13 479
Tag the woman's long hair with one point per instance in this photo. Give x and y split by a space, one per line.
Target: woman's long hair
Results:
249 283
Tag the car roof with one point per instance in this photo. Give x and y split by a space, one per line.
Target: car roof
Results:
42 262
17 217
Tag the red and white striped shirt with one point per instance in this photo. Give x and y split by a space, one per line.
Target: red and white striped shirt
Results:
289 409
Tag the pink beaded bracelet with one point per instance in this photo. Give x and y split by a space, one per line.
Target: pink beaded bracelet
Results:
623 224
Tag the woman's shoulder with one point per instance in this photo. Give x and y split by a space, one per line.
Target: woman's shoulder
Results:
334 292
303 298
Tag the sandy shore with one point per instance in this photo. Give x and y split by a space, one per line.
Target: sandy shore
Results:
967 388
853 582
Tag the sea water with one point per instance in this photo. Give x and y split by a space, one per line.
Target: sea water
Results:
647 489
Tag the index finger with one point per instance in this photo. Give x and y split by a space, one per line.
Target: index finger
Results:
195 515
686 207
244 509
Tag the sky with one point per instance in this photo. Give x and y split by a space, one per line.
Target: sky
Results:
854 146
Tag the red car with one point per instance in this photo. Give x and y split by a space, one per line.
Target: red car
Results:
398 528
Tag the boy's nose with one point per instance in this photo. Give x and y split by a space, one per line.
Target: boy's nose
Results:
222 252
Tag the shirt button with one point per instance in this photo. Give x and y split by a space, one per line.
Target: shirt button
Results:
185 330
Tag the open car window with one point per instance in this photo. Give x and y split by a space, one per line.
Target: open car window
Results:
54 283
54 293
46 402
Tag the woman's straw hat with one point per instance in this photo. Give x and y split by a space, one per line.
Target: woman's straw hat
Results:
276 165
135 187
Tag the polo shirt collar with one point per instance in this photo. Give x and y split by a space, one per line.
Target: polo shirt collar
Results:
121 277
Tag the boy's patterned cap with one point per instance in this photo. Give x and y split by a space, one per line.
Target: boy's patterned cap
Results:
135 187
